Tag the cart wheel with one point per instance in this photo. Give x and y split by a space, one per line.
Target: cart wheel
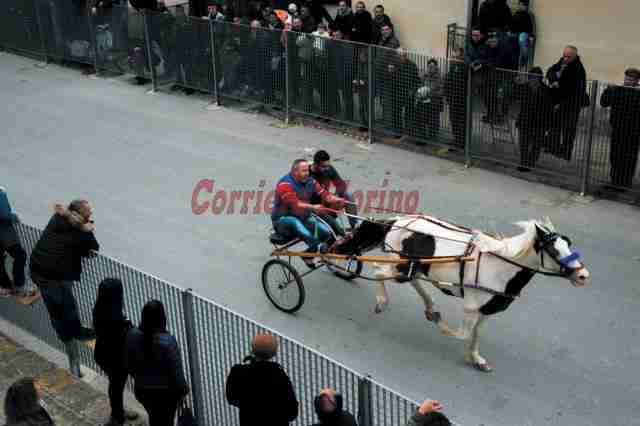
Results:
350 268
283 285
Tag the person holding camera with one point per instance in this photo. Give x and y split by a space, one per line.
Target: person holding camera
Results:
260 387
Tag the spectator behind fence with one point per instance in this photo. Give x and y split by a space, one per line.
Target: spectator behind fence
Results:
456 93
476 51
624 102
309 24
329 409
523 28
343 21
260 388
10 243
152 357
428 414
388 37
362 25
429 103
293 13
318 12
497 82
112 326
495 14
22 405
398 92
56 262
380 19
534 119
568 79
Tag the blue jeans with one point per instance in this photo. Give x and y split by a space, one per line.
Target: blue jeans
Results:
62 307
523 42
291 226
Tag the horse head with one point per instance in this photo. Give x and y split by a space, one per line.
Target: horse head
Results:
557 256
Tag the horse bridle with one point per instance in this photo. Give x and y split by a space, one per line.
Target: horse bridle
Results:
545 244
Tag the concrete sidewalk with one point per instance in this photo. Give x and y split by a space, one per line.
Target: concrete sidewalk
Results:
68 400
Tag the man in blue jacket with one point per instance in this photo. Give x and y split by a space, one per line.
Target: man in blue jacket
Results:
10 244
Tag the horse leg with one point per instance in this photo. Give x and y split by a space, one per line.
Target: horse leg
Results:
471 318
473 356
382 272
428 301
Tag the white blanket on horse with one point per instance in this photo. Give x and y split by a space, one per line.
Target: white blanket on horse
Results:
450 239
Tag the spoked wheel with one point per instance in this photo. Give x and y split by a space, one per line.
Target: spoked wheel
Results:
348 269
283 285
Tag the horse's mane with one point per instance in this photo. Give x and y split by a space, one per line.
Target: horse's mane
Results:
513 247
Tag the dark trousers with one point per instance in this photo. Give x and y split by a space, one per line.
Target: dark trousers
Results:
457 116
117 382
623 156
531 142
426 120
61 305
563 132
161 405
19 261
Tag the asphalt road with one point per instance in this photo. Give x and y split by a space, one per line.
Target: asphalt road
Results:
563 356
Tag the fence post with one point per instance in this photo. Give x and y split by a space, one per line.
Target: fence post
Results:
212 29
287 76
197 390
584 187
147 37
468 134
93 36
36 6
370 98
365 402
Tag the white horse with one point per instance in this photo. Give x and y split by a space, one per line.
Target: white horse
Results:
488 284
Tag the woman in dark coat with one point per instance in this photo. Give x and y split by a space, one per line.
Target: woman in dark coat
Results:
153 359
22 406
111 326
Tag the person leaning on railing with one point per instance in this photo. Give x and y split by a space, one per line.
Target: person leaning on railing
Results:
56 262
10 243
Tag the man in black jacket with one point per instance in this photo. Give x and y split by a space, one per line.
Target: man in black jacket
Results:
343 21
260 388
456 93
568 79
495 14
56 262
624 102
362 25
534 120
329 409
380 19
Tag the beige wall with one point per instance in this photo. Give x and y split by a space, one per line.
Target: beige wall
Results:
606 31
422 24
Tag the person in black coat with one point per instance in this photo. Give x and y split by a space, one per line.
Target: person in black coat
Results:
624 102
10 243
318 11
497 81
380 19
401 82
362 31
495 14
568 79
523 28
329 409
153 359
455 90
22 406
534 119
56 262
343 21
260 388
111 326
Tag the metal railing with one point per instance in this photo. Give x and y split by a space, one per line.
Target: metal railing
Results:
212 339
424 100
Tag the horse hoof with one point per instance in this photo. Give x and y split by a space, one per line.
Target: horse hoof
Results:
432 316
377 309
484 367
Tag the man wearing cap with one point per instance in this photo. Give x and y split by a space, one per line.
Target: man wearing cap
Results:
260 388
329 409
624 102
